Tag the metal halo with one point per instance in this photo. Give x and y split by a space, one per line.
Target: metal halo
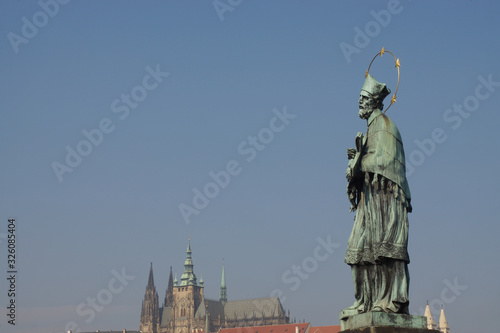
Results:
381 53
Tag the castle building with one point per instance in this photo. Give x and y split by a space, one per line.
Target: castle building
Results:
186 310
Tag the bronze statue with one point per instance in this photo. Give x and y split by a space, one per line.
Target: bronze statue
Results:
379 193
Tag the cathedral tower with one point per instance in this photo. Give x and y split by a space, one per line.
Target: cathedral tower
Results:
187 296
150 313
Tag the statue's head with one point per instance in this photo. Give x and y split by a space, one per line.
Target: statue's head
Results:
372 97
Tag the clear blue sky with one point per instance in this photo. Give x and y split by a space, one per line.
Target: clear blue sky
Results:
85 67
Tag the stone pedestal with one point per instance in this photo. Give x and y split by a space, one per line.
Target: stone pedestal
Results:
389 329
381 322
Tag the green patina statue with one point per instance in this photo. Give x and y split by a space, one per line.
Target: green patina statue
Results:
379 193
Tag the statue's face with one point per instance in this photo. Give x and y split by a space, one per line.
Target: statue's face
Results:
366 105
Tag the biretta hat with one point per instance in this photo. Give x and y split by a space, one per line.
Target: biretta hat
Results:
375 89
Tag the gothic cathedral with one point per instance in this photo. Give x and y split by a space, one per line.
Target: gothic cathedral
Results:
186 310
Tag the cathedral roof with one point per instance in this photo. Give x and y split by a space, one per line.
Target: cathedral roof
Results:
215 309
248 308
284 328
267 307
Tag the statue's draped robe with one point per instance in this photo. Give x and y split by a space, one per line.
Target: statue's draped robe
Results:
377 247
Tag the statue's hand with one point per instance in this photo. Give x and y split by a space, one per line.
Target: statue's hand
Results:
409 208
351 153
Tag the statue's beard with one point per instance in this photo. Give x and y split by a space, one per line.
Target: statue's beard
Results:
364 113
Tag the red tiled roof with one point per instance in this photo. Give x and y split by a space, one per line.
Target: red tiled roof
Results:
325 329
285 328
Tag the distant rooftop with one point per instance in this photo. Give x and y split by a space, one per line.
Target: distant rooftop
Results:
100 331
325 329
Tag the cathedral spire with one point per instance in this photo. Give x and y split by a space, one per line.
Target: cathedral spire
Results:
223 290
443 323
151 282
189 245
169 295
188 278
